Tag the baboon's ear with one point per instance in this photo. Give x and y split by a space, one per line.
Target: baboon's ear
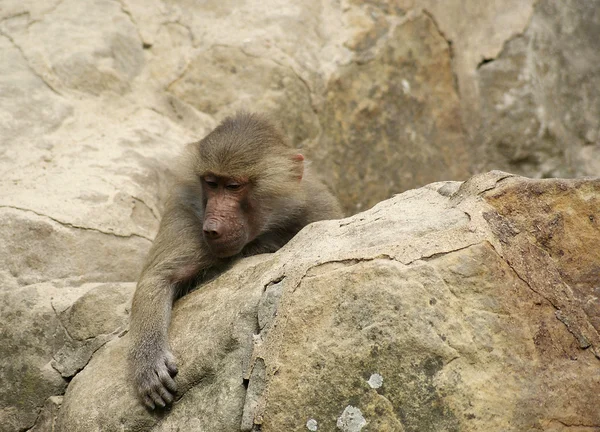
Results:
298 165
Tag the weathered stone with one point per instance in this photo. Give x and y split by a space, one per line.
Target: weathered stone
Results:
97 98
46 421
226 79
30 333
477 32
561 218
92 320
22 120
101 310
392 121
100 58
212 349
89 212
427 290
38 338
378 75
540 99
36 249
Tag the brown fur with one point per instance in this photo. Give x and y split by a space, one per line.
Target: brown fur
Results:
279 196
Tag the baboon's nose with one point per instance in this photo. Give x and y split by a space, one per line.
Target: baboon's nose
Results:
212 229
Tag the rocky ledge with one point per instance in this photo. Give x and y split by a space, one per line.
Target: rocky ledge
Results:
454 307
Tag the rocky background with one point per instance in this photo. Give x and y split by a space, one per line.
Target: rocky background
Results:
98 97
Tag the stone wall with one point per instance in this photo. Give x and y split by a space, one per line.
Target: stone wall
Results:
97 98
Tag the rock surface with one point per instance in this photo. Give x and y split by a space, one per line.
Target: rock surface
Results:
48 333
418 90
475 305
540 101
98 97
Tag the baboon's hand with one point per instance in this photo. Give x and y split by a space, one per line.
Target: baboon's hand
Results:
154 378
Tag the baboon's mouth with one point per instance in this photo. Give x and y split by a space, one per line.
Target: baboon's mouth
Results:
224 249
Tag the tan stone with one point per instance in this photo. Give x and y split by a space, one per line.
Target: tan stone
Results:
97 98
392 121
438 291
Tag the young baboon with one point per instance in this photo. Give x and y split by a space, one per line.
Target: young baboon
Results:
243 191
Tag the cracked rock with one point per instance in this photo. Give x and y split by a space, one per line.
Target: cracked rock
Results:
38 350
420 289
477 301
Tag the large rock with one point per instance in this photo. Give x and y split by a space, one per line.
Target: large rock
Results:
97 98
540 98
397 112
30 333
416 90
48 333
477 32
452 307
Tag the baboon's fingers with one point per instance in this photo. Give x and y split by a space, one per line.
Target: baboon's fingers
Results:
171 365
165 395
167 381
148 402
157 399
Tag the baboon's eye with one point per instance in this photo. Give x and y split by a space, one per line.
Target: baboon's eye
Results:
211 182
233 186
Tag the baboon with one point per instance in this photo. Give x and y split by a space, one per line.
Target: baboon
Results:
243 191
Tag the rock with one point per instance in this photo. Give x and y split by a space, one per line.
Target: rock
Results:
92 320
98 98
456 297
30 333
401 100
418 91
21 118
101 58
213 350
540 98
225 79
477 32
46 331
36 249
46 421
